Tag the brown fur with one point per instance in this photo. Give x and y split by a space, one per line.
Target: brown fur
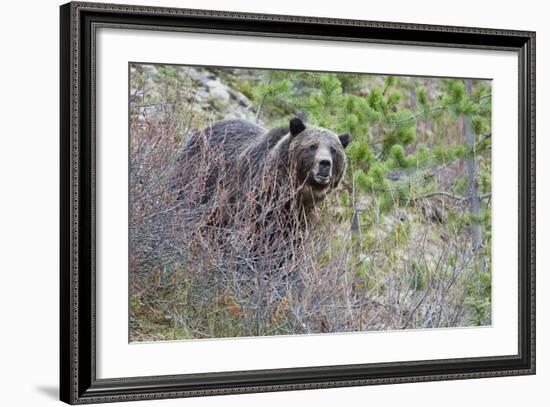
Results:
282 157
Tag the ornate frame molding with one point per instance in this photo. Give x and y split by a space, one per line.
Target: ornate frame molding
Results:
77 246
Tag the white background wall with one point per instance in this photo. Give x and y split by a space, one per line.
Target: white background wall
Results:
29 163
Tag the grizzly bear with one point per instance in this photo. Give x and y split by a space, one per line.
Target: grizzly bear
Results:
291 167
251 193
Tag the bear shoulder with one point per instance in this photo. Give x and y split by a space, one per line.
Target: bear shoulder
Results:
234 131
259 147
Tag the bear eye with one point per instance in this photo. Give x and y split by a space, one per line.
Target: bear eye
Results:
312 147
332 150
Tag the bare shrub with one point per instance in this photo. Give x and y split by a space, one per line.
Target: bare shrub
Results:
207 261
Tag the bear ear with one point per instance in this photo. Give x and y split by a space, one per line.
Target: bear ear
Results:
296 126
345 139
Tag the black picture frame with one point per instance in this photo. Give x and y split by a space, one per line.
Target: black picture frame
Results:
78 382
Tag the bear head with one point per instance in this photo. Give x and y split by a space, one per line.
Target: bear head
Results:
318 157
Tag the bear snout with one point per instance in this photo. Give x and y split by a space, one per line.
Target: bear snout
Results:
322 172
324 168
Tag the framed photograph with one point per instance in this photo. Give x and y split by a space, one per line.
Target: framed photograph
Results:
255 203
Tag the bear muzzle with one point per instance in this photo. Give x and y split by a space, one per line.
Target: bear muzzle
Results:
323 172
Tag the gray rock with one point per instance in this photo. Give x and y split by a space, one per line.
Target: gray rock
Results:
148 68
218 90
241 98
197 76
